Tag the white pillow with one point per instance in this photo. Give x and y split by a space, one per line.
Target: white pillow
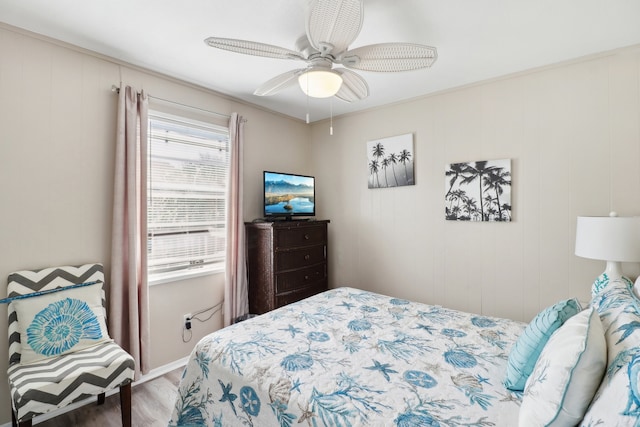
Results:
636 287
567 373
61 322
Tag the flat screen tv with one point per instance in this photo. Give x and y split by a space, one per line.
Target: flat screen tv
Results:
287 195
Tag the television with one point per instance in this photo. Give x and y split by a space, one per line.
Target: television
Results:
288 195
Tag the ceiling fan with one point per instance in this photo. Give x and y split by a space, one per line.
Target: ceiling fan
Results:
331 26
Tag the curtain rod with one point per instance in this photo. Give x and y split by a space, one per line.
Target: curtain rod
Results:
116 89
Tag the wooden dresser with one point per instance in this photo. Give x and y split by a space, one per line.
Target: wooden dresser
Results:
286 262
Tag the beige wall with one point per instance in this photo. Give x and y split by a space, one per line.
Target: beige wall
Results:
573 134
57 121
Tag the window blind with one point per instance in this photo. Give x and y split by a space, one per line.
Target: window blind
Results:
186 201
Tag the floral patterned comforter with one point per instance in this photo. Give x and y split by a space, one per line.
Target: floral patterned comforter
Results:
347 357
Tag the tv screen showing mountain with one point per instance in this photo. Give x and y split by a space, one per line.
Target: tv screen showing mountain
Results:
288 194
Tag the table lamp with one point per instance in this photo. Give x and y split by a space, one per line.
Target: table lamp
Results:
612 239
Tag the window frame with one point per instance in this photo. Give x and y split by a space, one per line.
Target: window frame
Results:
183 120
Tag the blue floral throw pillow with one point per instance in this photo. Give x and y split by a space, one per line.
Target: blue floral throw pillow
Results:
603 280
54 324
617 402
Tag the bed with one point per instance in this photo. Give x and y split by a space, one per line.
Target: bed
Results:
349 357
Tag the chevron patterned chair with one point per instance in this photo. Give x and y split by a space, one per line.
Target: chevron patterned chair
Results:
59 348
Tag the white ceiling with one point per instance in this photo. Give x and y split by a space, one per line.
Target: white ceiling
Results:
476 39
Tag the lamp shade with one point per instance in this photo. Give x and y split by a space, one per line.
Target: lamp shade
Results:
320 83
609 238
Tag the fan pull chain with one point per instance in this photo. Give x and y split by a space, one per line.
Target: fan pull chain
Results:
331 113
307 100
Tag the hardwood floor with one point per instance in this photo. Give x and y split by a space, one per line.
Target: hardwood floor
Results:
151 406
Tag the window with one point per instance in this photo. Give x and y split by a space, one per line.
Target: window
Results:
187 196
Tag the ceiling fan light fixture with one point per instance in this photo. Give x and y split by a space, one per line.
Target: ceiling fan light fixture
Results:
320 83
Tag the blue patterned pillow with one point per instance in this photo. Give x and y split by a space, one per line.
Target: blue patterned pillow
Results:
617 402
525 352
603 280
61 322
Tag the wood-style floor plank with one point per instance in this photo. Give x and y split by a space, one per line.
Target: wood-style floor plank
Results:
151 406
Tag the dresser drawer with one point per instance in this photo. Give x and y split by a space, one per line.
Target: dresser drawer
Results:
304 236
298 258
297 279
302 294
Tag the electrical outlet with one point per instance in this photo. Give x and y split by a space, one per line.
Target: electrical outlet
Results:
186 321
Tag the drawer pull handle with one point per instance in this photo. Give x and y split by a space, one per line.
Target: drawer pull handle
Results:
306 237
306 257
306 277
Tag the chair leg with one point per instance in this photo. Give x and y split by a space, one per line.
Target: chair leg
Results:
125 404
101 399
15 423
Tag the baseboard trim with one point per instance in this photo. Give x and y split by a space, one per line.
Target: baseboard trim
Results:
154 373
160 371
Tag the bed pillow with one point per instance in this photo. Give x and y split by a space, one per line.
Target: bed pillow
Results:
603 281
617 402
567 374
61 322
525 352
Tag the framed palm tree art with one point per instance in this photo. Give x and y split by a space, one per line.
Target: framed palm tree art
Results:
478 191
390 161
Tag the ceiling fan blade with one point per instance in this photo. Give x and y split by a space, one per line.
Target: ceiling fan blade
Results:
253 48
279 83
332 25
354 87
390 57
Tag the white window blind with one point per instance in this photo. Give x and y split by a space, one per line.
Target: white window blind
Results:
186 203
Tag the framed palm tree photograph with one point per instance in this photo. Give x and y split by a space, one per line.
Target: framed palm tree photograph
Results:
478 191
390 161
